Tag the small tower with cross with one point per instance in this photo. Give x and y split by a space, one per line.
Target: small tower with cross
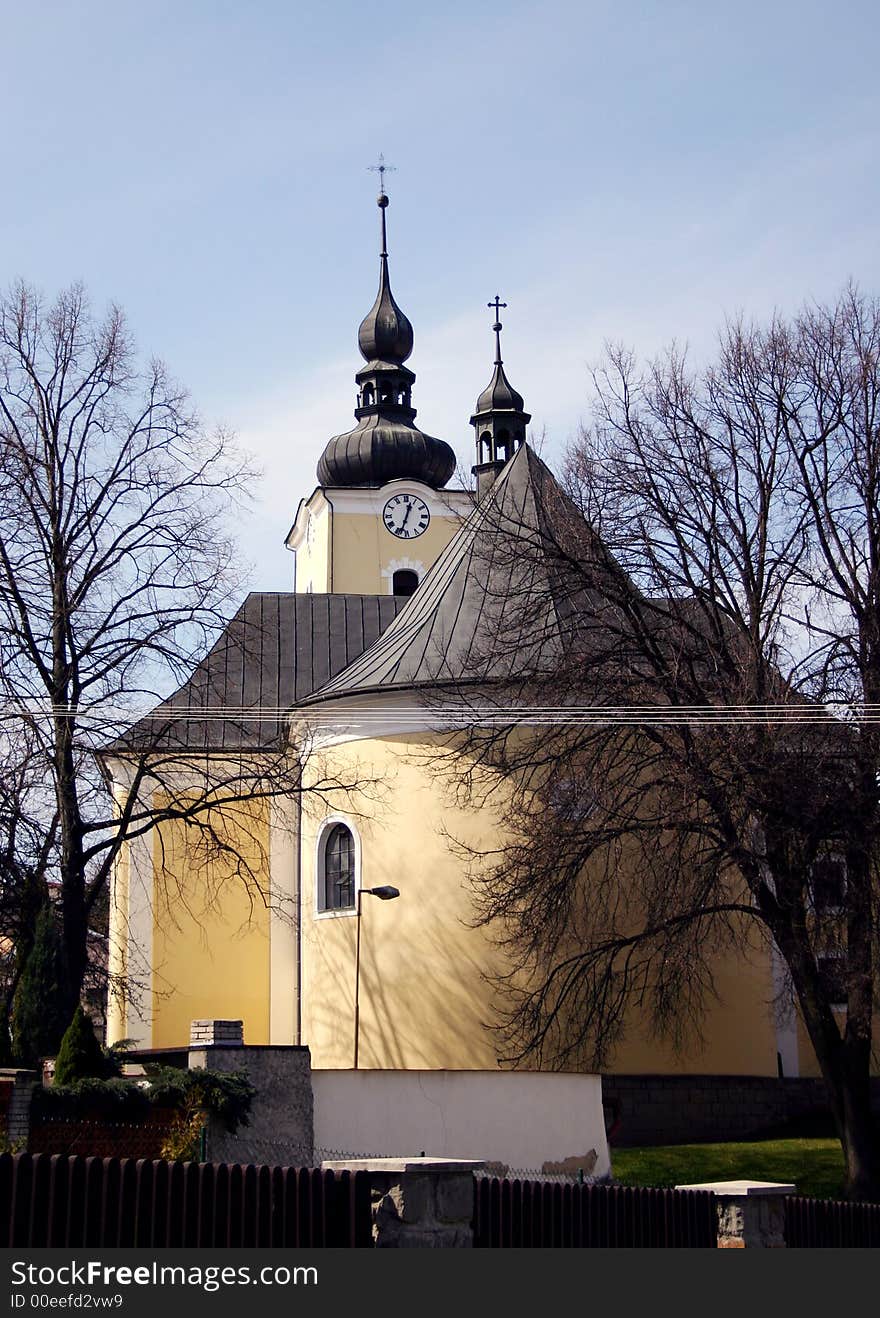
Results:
500 418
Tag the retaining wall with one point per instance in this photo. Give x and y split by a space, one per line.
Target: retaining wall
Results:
666 1109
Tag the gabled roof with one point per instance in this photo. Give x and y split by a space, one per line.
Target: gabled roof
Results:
491 605
275 651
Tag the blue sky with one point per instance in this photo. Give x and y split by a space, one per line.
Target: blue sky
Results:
624 170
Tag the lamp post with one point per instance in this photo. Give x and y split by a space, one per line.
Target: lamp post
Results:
385 893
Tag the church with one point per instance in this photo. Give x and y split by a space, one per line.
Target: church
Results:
365 948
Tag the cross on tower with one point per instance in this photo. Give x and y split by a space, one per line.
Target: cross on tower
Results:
381 169
497 304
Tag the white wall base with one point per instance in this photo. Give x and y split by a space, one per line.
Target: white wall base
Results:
520 1119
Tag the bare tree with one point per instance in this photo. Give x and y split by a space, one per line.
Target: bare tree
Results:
27 849
116 575
702 616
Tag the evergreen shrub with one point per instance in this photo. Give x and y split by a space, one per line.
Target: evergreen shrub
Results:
80 1056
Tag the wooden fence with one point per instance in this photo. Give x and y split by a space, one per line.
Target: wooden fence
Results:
536 1214
814 1223
50 1200
75 1202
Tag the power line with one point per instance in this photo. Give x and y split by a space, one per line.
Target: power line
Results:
457 715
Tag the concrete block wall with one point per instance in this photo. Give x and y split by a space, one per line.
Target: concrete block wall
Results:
665 1109
281 1126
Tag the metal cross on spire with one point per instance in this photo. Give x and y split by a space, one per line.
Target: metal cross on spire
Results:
497 304
382 169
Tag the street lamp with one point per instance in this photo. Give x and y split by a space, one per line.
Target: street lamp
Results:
385 893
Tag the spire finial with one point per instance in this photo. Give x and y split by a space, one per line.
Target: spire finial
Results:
382 200
497 304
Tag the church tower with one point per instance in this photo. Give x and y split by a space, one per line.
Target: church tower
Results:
380 515
500 418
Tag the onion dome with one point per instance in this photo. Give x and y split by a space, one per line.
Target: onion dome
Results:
499 394
386 444
374 453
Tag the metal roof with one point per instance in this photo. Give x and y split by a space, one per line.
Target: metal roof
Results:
274 652
495 605
489 607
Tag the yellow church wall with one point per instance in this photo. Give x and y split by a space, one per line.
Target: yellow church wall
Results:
363 547
117 950
313 570
342 544
807 1063
423 999
211 929
739 1035
736 1034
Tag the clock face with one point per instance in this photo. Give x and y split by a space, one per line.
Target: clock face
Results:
406 516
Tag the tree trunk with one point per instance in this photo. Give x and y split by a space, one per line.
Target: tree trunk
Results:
857 1130
845 1065
844 1061
74 925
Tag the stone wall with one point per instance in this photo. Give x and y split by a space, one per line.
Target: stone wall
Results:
418 1203
281 1126
665 1109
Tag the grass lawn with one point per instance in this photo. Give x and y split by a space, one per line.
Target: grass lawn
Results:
815 1166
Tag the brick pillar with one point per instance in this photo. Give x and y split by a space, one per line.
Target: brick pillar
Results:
18 1114
419 1203
751 1214
211 1034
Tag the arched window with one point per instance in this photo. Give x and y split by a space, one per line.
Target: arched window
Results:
486 446
404 582
368 395
336 887
501 453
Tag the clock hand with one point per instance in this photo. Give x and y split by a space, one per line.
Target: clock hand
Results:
406 515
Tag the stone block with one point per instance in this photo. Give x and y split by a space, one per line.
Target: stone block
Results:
454 1198
751 1214
419 1203
413 1199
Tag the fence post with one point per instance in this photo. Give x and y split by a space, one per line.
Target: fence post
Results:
751 1214
418 1202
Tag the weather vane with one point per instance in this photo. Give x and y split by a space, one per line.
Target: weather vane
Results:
382 169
